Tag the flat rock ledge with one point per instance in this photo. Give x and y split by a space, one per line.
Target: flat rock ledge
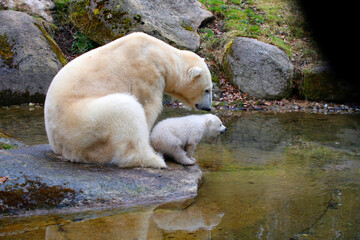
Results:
40 181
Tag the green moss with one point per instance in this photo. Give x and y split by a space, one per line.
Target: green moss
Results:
313 86
89 24
310 155
5 146
7 52
53 46
325 86
186 26
100 24
33 194
96 11
226 66
3 134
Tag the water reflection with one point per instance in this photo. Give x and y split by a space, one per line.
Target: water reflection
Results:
271 176
148 223
133 225
24 123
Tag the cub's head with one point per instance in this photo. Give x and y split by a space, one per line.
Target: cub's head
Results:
214 126
195 87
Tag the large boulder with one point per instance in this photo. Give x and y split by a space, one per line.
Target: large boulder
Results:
40 179
175 22
40 8
321 83
29 59
259 69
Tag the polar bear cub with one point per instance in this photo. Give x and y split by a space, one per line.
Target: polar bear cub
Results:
178 137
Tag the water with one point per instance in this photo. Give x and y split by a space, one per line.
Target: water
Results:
270 176
25 124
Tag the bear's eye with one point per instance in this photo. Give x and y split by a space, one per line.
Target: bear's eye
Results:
207 91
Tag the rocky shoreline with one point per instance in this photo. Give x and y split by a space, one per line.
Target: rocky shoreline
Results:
38 179
285 105
252 105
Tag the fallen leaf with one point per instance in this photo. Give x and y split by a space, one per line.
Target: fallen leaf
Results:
3 179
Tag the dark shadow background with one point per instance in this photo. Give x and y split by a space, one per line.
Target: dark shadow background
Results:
335 26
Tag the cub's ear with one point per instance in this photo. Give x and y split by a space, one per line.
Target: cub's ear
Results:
194 72
208 122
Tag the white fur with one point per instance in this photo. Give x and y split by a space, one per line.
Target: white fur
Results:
124 141
100 107
178 137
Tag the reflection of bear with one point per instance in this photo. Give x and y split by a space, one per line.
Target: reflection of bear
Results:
123 226
178 137
147 223
90 115
191 219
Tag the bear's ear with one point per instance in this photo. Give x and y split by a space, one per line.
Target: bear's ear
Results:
194 72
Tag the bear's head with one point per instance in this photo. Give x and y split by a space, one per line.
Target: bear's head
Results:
214 126
195 86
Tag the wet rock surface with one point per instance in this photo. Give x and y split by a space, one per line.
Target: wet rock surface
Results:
40 179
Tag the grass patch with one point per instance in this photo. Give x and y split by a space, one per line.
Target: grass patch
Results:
5 146
81 43
277 22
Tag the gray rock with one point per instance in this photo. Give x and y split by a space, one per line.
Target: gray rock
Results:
40 8
322 84
259 69
175 22
29 59
41 174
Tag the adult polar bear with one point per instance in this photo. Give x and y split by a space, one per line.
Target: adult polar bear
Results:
101 106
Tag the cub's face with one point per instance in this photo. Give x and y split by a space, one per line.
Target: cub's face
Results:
214 126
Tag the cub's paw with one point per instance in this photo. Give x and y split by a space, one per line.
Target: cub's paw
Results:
186 161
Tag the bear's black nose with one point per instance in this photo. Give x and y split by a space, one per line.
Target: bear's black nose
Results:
201 107
223 131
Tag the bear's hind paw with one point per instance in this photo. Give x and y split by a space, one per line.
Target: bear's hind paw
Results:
155 162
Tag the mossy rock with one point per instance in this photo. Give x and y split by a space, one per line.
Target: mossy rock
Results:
40 179
322 84
262 70
101 23
175 22
7 141
29 59
35 8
